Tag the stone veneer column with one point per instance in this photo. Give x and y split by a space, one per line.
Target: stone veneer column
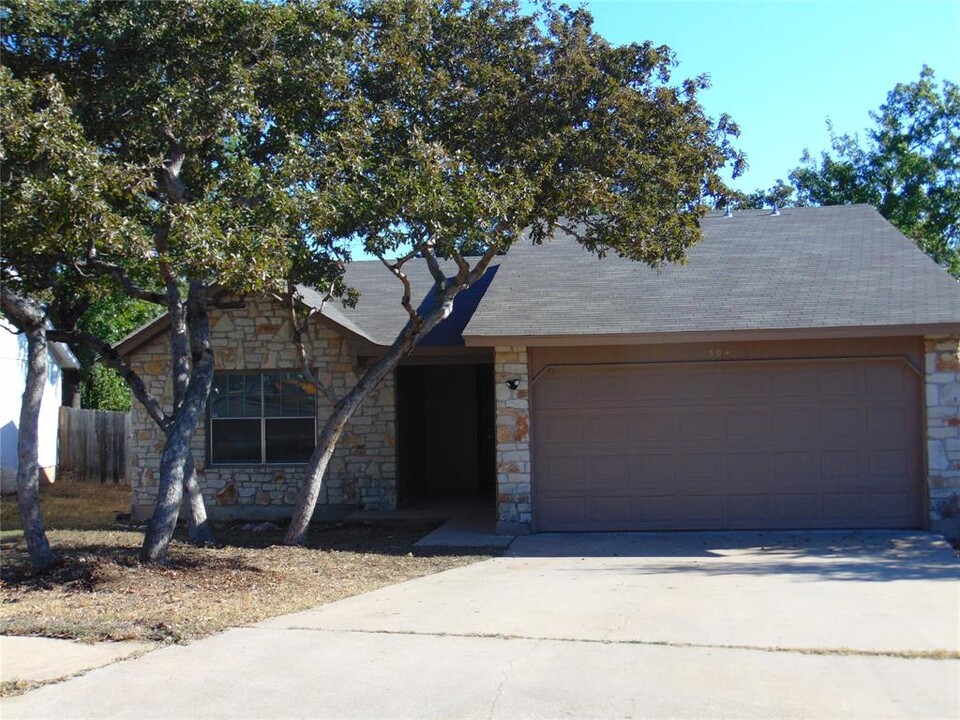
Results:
942 374
513 440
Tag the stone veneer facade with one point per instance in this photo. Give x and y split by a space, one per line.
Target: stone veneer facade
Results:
362 473
942 373
514 512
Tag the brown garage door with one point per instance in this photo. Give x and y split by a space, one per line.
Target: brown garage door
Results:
767 444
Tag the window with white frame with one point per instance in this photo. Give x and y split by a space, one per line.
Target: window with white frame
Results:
262 418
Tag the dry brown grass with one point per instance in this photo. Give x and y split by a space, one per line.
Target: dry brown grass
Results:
72 505
101 592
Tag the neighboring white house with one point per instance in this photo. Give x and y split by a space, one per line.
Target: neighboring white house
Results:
13 371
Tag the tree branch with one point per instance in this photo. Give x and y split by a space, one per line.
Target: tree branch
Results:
112 359
94 265
427 251
21 312
463 267
300 329
168 175
405 299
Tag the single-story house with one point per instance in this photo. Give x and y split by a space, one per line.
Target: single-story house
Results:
800 371
13 368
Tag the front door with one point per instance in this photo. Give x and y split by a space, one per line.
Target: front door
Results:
445 431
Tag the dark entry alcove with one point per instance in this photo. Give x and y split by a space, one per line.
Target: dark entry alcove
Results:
445 432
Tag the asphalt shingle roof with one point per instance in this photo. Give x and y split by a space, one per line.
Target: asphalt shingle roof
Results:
825 267
379 316
808 268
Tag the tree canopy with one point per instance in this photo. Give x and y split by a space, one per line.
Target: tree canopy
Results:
907 166
248 145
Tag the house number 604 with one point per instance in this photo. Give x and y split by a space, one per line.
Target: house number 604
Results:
718 353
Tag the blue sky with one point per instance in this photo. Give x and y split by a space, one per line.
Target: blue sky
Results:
781 68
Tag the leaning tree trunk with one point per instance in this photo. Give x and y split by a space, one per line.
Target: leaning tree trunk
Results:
317 467
177 455
28 472
198 527
419 327
333 428
174 461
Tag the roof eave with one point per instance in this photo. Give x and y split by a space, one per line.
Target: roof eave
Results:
699 336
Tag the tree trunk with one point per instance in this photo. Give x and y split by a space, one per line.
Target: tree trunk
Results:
177 448
327 441
200 531
326 444
198 527
342 412
72 382
28 489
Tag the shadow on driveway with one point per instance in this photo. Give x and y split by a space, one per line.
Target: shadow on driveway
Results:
880 556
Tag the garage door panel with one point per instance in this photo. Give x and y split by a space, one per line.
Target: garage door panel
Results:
840 466
565 472
614 510
706 509
699 466
841 380
600 387
701 385
888 379
890 505
607 428
825 444
705 424
559 390
794 468
564 511
659 467
749 468
799 424
891 464
648 387
649 427
845 506
746 424
795 382
891 421
655 509
748 508
558 427
607 471
840 425
745 384
798 507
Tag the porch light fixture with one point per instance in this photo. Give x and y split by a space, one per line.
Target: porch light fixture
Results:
513 383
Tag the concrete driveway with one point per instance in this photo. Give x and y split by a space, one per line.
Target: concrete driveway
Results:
624 625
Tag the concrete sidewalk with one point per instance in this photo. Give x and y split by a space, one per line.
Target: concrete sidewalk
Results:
261 673
860 625
38 659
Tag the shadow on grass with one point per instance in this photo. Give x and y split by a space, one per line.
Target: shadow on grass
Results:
87 556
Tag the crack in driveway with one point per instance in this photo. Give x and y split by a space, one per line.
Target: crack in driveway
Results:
939 654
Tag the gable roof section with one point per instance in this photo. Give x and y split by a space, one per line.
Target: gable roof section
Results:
378 316
380 313
842 268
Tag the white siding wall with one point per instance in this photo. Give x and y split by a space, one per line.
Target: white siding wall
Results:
13 370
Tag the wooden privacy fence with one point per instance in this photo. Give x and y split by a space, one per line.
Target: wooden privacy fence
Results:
93 445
